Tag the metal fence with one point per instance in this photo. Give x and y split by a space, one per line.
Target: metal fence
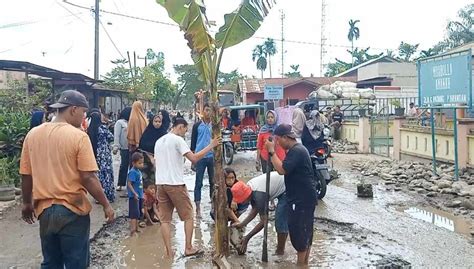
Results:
388 105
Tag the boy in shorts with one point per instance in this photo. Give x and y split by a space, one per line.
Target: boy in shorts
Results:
135 192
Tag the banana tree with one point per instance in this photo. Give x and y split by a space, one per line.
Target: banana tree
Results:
206 52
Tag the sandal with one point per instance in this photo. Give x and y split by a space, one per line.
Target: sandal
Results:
196 253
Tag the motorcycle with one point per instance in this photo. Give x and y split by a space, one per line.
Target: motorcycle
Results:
320 167
227 147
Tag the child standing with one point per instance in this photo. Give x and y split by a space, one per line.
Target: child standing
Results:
151 205
135 192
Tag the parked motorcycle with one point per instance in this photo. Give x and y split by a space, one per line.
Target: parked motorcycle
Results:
227 147
320 166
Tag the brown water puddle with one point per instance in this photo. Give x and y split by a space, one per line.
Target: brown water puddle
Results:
439 218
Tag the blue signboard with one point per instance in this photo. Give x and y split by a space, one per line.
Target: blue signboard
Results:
446 80
273 92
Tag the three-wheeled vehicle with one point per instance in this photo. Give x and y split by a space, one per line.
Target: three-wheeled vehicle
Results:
242 134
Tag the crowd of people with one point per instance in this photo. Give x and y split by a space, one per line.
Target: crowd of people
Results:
151 175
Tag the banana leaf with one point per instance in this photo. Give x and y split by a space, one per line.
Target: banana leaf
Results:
243 22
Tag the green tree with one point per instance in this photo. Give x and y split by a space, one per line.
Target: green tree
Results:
427 53
207 52
120 77
188 83
270 50
406 51
359 56
354 33
294 73
260 57
460 32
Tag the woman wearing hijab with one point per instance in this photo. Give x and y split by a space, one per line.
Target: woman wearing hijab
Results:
100 137
265 132
37 118
136 126
157 128
312 137
121 143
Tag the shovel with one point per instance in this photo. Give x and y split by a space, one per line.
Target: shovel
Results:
265 224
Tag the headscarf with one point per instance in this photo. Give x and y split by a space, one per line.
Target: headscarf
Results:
152 134
36 119
125 114
268 128
93 130
136 124
314 125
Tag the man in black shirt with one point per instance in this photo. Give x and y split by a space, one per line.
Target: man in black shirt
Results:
300 189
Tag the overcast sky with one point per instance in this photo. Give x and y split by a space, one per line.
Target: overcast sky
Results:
58 35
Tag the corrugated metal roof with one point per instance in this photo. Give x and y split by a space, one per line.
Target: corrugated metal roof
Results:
382 57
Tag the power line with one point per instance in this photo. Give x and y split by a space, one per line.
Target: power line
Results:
175 25
23 23
111 40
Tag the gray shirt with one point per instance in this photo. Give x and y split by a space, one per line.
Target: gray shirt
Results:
277 184
120 134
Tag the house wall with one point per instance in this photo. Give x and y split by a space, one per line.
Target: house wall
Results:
297 91
403 74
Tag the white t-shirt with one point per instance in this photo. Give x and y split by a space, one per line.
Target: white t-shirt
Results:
169 152
277 184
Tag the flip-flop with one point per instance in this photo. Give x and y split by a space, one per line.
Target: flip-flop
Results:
196 253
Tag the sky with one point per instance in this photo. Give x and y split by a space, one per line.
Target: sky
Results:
59 35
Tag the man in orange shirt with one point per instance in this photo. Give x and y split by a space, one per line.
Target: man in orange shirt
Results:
58 169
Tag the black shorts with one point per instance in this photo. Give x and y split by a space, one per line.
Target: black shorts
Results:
135 208
300 226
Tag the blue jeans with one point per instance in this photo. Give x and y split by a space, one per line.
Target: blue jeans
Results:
64 238
200 169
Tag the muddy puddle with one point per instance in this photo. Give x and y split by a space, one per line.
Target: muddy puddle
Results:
439 218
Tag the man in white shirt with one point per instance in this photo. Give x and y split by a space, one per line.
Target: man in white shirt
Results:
257 197
171 188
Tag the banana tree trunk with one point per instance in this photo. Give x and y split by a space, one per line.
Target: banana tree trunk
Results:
221 233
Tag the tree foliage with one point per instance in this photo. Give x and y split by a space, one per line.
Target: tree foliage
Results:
294 73
260 57
148 82
359 56
406 51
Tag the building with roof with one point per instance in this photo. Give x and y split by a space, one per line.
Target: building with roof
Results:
98 95
294 89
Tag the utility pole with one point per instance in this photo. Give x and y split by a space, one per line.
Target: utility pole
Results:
96 49
96 52
282 17
323 50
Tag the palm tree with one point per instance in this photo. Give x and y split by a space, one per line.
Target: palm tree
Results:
259 55
270 50
354 33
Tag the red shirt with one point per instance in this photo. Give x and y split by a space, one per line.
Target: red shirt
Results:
262 138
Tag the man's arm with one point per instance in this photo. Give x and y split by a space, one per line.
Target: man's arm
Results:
232 215
278 164
253 213
90 181
195 157
27 212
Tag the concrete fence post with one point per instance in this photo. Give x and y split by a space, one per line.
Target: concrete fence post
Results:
464 127
397 137
364 135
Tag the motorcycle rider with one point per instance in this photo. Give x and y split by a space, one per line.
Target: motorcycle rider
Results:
313 137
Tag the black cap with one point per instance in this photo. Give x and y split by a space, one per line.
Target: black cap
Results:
284 130
71 98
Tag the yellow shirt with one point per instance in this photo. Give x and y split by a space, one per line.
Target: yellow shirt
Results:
53 154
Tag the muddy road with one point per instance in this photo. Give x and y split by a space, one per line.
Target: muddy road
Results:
394 229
